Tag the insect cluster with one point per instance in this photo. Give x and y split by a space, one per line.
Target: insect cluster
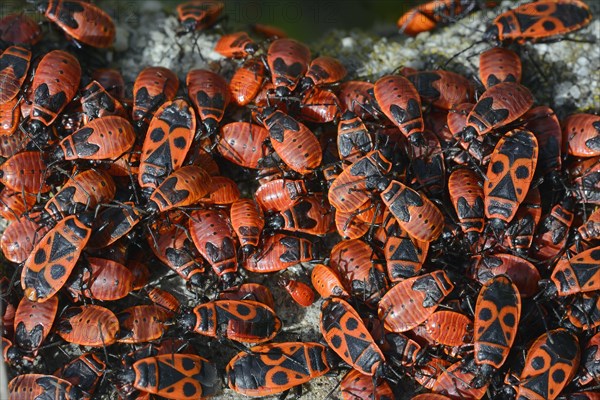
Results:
447 222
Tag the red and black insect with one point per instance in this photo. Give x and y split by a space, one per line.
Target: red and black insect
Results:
585 178
544 124
236 45
14 204
165 300
361 273
539 21
84 372
466 194
152 87
427 16
88 325
295 144
54 85
83 191
173 376
97 101
443 89
427 166
166 346
14 64
51 261
519 233
20 29
278 194
299 291
249 291
327 283
197 15
349 226
498 65
279 252
210 95
578 274
101 279
353 138
449 328
324 70
358 97
33 323
414 212
247 221
479 148
497 315
276 367
350 190
590 229
167 142
553 231
401 103
583 312
243 143
244 321
589 369
345 332
213 236
82 22
309 214
30 386
288 61
25 172
582 132
104 138
265 98
404 255
521 272
184 187
550 364
177 251
113 223
413 300
247 81
498 106
141 323
510 172
320 105
20 237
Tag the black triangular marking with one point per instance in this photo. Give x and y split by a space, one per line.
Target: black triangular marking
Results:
494 334
505 189
168 375
61 247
